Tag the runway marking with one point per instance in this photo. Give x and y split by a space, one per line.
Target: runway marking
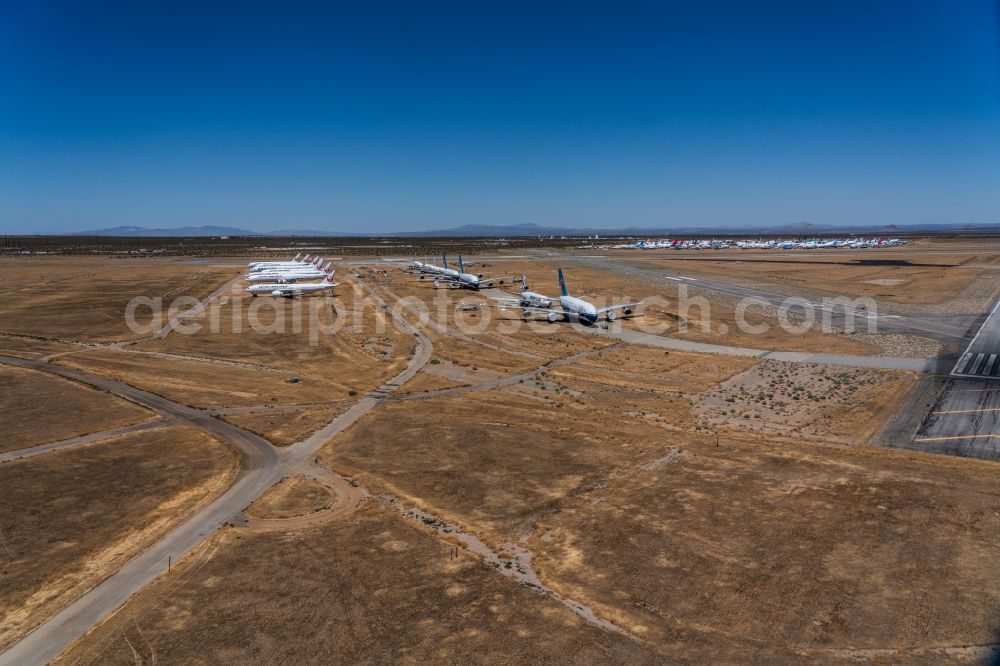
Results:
968 411
967 354
938 439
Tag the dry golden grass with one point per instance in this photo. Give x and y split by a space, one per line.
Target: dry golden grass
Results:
41 408
205 384
33 348
498 459
371 589
430 380
76 298
75 516
647 367
283 428
897 275
768 547
366 350
291 497
756 550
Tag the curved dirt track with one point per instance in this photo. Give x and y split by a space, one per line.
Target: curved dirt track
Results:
258 470
261 466
346 497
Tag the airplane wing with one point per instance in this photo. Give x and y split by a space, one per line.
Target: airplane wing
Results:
505 299
620 306
531 309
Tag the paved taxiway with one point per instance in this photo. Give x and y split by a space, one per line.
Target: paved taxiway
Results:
964 420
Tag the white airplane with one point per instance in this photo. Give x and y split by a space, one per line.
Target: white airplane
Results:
577 309
431 270
289 274
315 263
527 298
463 280
292 290
294 262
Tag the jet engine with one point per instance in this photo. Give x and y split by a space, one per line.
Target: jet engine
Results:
276 292
611 316
627 312
553 317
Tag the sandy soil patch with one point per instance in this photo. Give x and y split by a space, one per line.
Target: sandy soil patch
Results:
822 403
291 497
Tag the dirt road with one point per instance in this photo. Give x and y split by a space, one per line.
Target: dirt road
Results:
261 466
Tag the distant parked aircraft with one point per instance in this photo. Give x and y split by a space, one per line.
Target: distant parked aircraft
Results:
292 290
463 280
289 274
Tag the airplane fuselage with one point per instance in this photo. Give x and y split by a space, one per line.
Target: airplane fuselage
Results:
535 300
286 276
584 311
290 289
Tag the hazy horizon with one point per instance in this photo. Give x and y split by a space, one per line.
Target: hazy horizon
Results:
408 118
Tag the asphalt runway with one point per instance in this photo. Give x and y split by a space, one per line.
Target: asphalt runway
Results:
981 358
964 421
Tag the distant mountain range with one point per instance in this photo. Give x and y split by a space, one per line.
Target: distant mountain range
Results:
515 230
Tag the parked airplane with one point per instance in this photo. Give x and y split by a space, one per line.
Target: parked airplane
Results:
289 274
527 298
294 262
316 263
292 290
577 309
432 270
465 280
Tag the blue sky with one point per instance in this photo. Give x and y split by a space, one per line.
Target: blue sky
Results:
388 117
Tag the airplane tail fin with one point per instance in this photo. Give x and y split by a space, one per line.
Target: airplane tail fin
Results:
318 262
461 265
296 258
444 260
306 260
329 265
329 278
562 283
524 282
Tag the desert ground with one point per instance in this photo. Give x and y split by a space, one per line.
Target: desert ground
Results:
386 476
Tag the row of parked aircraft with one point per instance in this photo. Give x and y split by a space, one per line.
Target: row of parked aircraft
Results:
714 244
290 278
460 279
563 308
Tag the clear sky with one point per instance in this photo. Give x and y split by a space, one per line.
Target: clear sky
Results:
413 115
